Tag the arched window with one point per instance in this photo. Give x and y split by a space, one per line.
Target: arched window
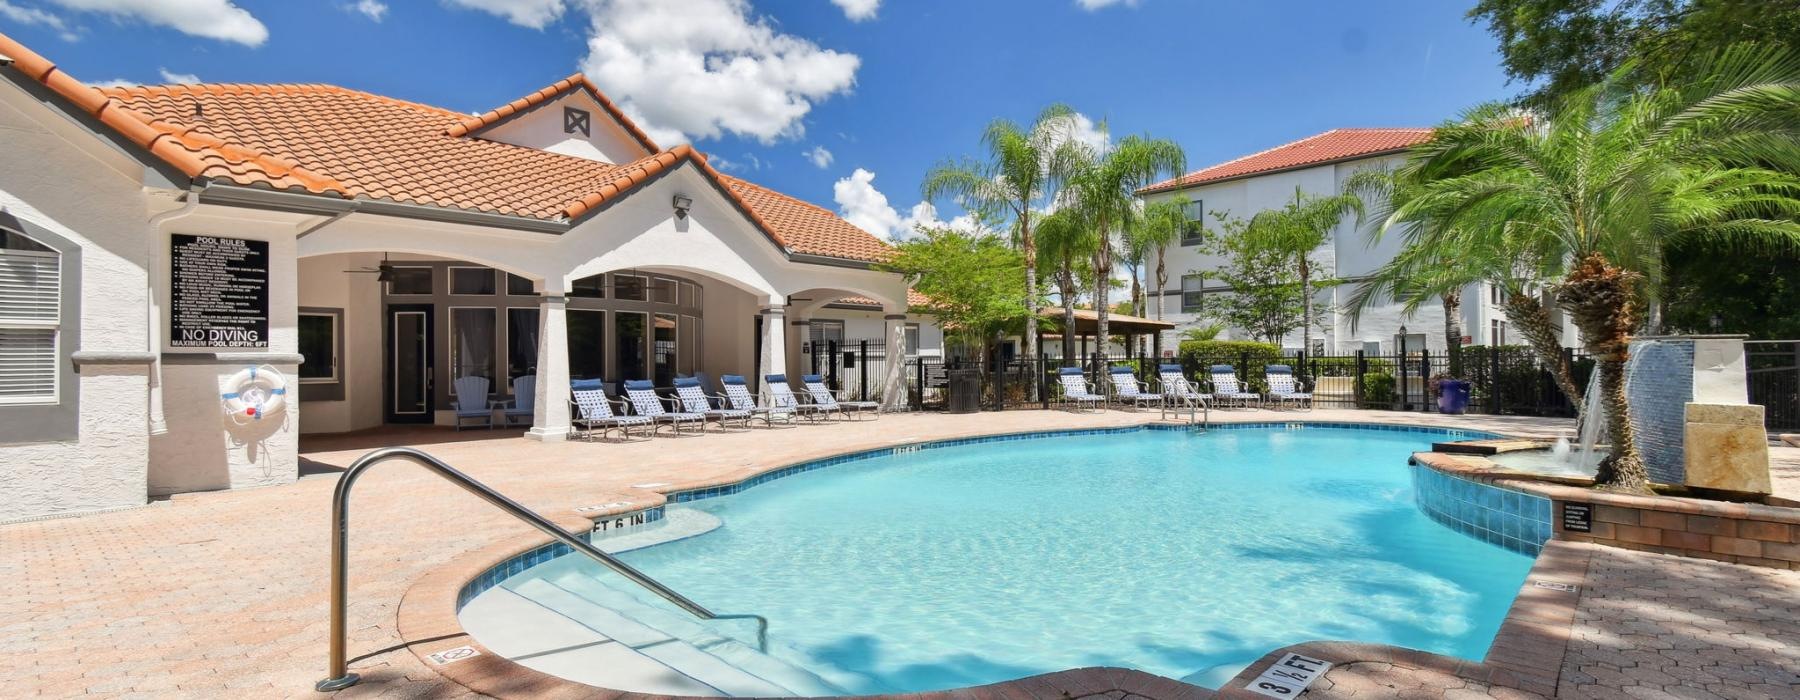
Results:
30 319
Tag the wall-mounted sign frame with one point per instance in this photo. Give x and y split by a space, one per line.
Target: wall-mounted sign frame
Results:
218 292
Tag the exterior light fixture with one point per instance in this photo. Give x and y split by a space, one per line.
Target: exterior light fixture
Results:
682 204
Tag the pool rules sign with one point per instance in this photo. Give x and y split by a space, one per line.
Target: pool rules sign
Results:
219 292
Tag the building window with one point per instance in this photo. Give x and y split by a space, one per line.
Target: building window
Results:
521 343
1497 332
823 333
410 280
665 348
321 337
629 287
30 320
664 290
629 338
1191 292
587 344
472 280
912 339
519 286
1195 230
472 341
589 287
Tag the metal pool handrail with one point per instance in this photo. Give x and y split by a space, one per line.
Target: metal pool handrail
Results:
341 677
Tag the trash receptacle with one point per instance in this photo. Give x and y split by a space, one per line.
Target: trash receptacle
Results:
965 390
1453 396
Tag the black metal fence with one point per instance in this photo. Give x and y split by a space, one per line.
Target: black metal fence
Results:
858 366
1504 380
1773 369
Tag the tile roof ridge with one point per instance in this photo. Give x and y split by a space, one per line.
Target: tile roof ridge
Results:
119 91
777 193
472 124
180 146
1183 179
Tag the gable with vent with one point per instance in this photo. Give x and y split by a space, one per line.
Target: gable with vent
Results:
571 122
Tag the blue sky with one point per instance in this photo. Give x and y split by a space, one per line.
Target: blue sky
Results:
889 87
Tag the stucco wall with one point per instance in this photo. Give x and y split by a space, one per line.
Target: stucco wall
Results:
323 283
1350 255
92 203
202 449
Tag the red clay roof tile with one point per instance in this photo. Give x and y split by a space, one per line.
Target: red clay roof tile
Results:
1334 145
329 140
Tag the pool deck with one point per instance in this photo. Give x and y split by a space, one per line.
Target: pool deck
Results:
223 594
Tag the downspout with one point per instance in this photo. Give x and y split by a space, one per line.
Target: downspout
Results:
159 423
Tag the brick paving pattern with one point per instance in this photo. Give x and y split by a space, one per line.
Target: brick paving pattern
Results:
1661 626
223 594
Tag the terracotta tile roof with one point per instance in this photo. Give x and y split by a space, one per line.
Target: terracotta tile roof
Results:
1334 145
913 300
808 227
334 141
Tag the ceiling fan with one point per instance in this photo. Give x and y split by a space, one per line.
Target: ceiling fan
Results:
383 272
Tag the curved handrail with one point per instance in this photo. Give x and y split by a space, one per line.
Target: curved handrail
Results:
341 677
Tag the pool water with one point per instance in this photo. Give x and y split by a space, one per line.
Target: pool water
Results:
1181 554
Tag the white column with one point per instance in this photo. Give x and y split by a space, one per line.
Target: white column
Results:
774 343
893 386
550 409
799 331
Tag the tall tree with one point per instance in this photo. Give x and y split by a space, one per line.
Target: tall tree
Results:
1611 177
1067 243
1265 298
1105 185
1296 230
1023 168
1161 225
971 279
1563 46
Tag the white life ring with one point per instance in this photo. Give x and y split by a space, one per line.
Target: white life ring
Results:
254 393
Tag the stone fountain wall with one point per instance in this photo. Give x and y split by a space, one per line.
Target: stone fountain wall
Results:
1659 383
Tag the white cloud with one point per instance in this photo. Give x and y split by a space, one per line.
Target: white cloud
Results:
748 163
535 14
858 10
33 16
113 83
212 19
819 156
1095 136
373 9
867 208
1092 5
178 78
704 68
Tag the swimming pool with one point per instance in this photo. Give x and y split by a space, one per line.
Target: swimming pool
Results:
1178 553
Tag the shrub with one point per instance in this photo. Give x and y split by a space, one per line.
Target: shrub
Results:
1378 389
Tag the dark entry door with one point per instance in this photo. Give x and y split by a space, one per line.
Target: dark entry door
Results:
409 363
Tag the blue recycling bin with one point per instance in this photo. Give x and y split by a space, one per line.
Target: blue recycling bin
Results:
1453 396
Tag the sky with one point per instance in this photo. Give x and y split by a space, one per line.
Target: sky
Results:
845 103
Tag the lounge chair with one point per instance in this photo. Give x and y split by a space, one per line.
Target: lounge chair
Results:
524 394
644 402
1075 390
1285 389
782 396
594 411
1179 394
470 398
1229 390
737 395
694 400
1128 391
826 401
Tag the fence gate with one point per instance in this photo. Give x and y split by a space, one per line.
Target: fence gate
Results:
1773 367
856 367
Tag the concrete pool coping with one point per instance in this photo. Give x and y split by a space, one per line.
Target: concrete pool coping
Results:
1526 653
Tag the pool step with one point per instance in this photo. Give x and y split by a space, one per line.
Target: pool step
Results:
543 639
700 634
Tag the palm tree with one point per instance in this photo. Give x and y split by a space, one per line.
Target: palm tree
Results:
1105 188
1298 229
1066 242
1441 261
1608 179
1024 166
1161 224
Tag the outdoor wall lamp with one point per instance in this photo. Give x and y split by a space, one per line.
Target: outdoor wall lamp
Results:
682 204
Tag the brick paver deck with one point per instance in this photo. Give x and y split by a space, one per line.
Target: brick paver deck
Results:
223 594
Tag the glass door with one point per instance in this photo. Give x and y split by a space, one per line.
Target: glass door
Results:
409 363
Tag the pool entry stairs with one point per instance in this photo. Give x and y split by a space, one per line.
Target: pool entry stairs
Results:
575 624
